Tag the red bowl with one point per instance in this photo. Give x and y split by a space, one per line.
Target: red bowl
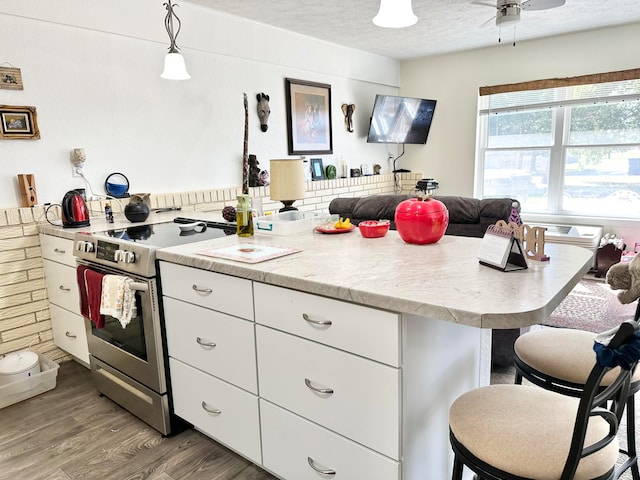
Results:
373 228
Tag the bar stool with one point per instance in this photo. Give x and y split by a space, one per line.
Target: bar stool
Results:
517 432
560 360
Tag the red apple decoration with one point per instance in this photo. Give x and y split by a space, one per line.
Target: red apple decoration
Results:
421 221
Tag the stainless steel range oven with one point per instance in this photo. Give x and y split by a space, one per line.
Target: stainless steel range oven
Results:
129 364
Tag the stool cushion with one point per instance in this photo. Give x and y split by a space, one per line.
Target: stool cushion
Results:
562 353
527 431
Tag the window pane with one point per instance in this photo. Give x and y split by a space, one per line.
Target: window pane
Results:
605 124
532 128
602 181
519 174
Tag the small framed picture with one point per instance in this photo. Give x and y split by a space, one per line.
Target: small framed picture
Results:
18 122
308 117
317 170
11 78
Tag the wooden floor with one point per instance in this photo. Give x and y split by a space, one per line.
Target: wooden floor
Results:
71 432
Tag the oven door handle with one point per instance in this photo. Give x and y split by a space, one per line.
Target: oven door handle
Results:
142 287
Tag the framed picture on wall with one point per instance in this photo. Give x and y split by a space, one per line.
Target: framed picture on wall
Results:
18 122
317 170
11 78
308 117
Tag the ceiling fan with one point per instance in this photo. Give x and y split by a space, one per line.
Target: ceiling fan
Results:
508 11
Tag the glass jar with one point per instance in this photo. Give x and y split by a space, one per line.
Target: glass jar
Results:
244 216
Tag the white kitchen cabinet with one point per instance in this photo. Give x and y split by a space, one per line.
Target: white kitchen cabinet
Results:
213 342
212 355
216 408
348 394
223 293
67 323
389 378
364 331
296 449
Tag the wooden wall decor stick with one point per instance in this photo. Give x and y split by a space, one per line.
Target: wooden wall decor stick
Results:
27 186
245 154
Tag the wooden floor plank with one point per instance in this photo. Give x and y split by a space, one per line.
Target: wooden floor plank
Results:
72 433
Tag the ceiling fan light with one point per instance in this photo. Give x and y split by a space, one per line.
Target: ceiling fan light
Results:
395 14
174 67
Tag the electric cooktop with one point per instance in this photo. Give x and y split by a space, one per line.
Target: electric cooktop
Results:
179 232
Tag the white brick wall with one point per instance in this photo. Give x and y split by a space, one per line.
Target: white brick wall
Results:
24 307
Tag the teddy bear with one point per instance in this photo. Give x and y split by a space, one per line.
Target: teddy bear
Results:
626 277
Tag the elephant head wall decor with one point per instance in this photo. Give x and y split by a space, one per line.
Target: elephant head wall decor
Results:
263 111
348 110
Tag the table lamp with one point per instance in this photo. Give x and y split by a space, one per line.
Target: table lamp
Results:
287 184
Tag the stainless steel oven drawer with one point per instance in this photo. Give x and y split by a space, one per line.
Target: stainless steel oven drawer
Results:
131 395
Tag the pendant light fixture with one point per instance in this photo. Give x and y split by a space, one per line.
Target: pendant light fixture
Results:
395 14
174 67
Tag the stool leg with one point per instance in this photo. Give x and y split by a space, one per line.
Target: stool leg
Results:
631 436
457 469
518 379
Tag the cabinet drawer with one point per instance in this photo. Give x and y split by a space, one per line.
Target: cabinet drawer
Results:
62 285
362 330
57 249
236 424
69 332
211 341
223 293
364 405
289 442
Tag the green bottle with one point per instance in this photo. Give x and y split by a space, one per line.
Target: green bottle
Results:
244 217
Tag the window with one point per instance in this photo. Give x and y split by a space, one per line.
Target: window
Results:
571 150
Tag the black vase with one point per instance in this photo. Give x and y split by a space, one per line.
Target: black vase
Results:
136 212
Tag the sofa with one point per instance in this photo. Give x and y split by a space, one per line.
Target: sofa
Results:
468 217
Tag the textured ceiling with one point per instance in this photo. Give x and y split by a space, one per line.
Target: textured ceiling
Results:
443 26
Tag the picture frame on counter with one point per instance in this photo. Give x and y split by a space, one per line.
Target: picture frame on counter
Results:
11 78
309 128
317 169
17 122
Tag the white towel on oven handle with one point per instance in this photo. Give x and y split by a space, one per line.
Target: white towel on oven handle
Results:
118 298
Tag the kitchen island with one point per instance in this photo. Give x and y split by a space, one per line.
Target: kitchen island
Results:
361 345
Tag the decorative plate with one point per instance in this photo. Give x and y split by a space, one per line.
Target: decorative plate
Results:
335 230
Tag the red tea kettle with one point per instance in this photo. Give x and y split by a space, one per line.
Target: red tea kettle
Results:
74 210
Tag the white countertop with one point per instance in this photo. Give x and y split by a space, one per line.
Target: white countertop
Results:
442 280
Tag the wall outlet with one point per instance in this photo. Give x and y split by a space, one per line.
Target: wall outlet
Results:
76 171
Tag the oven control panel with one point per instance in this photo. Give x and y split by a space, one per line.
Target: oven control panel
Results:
107 251
123 256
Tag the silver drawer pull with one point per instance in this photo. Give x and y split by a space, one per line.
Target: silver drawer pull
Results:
215 411
57 250
319 470
205 344
316 322
201 290
64 289
70 335
307 382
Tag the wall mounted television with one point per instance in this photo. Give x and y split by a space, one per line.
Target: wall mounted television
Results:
400 120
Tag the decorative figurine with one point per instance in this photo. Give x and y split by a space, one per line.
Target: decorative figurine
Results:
348 110
257 177
263 111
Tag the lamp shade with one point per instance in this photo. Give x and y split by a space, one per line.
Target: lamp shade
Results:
395 14
174 67
286 179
